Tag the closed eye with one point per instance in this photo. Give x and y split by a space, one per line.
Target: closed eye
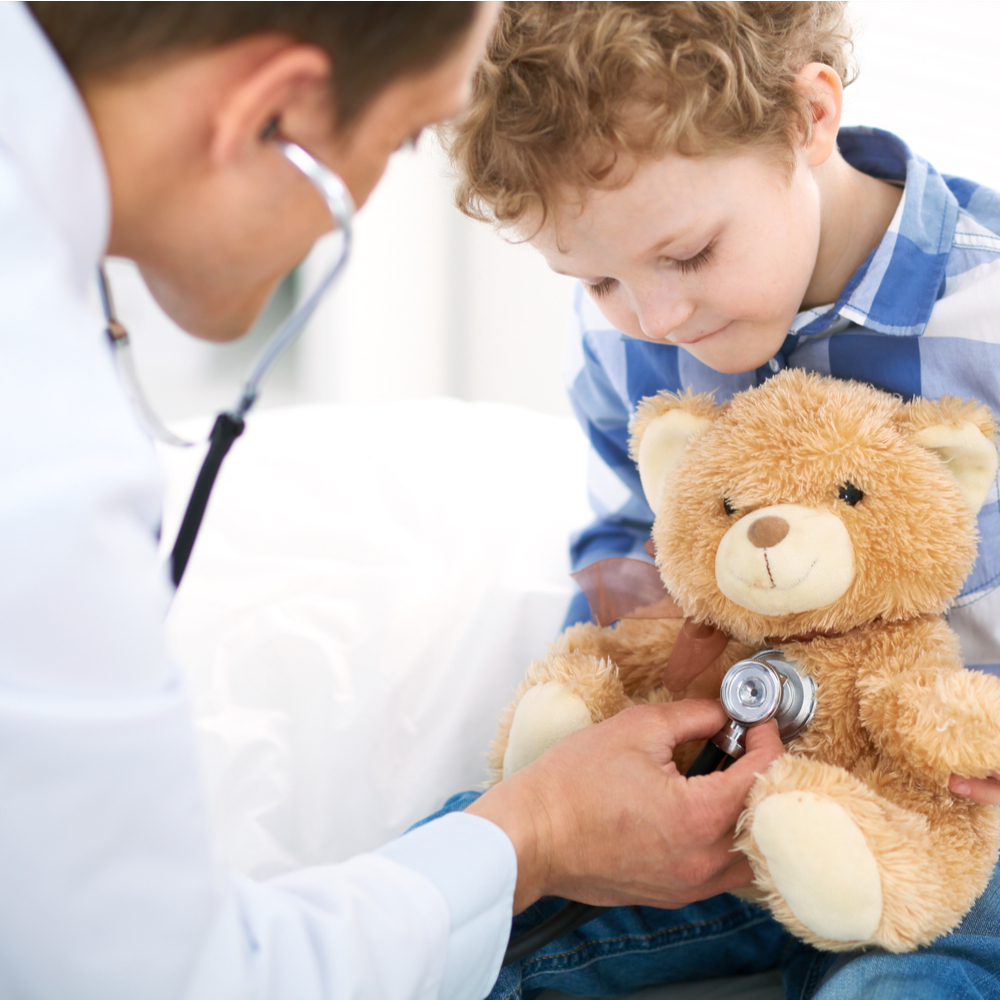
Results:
602 287
690 264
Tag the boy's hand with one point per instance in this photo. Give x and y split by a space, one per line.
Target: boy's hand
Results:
605 817
985 791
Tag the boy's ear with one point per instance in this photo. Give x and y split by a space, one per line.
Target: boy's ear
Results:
962 434
663 427
823 97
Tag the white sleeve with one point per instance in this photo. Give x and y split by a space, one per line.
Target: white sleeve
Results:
426 916
109 889
108 886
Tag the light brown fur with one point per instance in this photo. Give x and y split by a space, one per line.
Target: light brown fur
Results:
897 713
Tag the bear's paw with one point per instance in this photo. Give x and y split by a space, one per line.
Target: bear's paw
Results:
545 714
821 864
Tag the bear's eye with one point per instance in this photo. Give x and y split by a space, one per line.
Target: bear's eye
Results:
728 507
850 494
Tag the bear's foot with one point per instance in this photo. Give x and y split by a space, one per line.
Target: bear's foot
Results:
821 864
559 695
842 867
544 715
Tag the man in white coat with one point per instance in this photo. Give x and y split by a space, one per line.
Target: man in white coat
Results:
142 129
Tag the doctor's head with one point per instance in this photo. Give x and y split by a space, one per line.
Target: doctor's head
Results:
183 95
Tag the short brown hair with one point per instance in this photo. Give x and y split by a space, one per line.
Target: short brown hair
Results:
370 44
568 88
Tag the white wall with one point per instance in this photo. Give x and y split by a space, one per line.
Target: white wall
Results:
928 73
434 303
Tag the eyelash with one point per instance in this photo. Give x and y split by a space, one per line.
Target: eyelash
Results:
699 260
687 266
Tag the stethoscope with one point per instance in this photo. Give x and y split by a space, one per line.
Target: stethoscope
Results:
766 686
230 423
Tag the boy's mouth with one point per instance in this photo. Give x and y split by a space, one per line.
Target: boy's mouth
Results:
683 340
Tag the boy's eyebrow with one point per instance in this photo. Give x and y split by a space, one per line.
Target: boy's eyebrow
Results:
656 248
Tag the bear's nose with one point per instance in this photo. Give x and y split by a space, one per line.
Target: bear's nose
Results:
767 531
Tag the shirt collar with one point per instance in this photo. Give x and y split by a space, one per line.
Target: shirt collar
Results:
46 131
894 290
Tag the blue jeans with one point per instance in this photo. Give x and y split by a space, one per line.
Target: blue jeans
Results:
630 948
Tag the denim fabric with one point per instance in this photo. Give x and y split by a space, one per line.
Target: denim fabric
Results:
630 948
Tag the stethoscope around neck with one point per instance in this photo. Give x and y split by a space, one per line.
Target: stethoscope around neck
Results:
229 424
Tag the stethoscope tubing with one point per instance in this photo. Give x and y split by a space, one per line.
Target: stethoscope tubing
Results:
229 424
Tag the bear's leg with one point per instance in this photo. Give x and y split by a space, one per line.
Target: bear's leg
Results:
559 695
842 867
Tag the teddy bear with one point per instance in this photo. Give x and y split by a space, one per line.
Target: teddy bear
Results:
834 523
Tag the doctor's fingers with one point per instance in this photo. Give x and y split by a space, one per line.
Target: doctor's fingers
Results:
712 803
737 875
704 873
659 729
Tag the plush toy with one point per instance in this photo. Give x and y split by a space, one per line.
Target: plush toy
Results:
835 523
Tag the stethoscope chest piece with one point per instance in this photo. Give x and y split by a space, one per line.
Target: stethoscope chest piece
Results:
766 686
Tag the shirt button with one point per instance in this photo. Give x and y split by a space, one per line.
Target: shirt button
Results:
774 365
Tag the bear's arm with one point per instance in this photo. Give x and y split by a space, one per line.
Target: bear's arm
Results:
931 715
640 649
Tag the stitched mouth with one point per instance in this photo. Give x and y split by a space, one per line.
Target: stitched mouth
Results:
770 576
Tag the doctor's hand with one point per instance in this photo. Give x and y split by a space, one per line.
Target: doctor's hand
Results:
605 817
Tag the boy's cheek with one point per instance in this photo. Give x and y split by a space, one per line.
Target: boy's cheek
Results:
622 318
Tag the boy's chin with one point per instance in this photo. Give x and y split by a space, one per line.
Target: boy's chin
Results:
729 353
728 363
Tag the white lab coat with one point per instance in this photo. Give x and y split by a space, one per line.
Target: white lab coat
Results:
108 886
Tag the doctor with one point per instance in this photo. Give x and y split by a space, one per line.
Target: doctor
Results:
141 129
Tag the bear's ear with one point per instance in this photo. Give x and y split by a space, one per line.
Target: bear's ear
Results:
661 431
962 434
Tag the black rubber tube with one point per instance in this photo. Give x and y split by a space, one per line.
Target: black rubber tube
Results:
574 915
224 432
568 919
708 760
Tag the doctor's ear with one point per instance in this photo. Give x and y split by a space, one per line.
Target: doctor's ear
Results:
290 85
661 431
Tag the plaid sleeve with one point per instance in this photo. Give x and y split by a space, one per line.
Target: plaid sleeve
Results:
597 377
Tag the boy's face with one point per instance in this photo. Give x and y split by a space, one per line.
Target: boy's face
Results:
714 254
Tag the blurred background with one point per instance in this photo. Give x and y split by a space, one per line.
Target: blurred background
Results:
435 304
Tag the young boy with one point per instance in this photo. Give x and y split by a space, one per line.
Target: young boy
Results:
684 161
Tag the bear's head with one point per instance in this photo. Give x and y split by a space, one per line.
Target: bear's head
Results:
810 504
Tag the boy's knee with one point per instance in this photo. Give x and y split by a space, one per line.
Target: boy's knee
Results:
927 975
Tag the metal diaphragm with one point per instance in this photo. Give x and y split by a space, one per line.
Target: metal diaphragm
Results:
751 692
766 686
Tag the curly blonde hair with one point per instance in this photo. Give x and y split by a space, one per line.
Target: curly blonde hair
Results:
568 89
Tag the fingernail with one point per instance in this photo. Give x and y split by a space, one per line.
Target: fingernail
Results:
961 788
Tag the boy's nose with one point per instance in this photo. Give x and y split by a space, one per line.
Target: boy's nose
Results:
658 320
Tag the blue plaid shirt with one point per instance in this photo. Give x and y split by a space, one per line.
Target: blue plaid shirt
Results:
921 316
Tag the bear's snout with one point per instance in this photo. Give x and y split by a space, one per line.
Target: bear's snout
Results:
785 559
767 531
